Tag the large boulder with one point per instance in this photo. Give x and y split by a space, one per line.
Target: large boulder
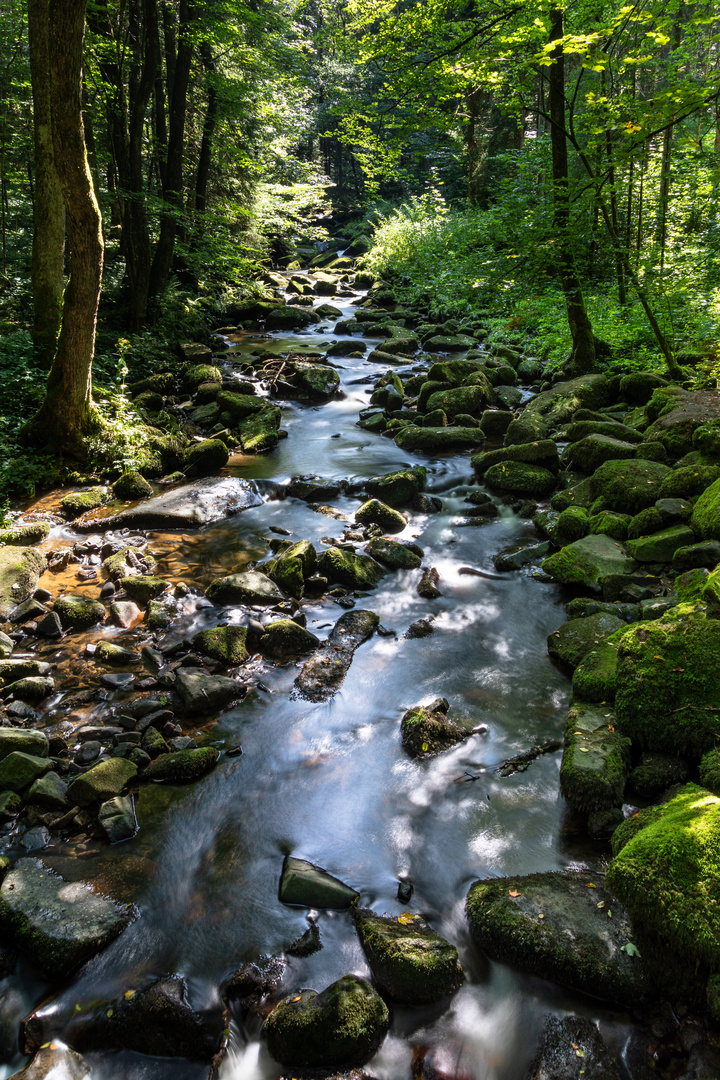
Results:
57 922
558 405
596 759
628 486
470 400
410 962
668 682
666 871
677 413
563 926
705 519
187 507
20 570
589 560
343 1026
438 440
520 479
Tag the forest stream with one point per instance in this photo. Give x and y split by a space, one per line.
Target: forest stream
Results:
329 781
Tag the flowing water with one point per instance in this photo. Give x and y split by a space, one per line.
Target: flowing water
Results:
330 782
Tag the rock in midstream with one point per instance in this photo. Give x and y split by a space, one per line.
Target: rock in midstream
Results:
187 507
323 674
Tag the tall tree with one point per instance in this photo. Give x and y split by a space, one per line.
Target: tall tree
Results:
67 415
48 249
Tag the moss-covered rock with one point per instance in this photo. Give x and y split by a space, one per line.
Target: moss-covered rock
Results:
285 639
392 554
595 677
596 759
78 612
588 560
668 680
520 479
677 414
18 770
197 374
462 399
705 554
572 524
343 1026
666 871
628 486
431 440
655 773
25 535
20 570
609 523
555 926
558 405
374 512
102 782
426 730
26 741
205 458
259 433
144 589
239 406
645 523
639 386
661 546
112 655
131 485
688 481
79 502
581 429
705 520
410 962
397 489
182 766
571 642
292 566
250 587
543 453
224 643
353 571
709 771
589 453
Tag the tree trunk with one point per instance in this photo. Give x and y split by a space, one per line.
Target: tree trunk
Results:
583 339
48 248
172 192
203 169
67 415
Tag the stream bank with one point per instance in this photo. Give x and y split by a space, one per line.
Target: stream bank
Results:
227 651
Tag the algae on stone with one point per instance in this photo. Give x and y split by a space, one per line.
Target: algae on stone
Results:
596 759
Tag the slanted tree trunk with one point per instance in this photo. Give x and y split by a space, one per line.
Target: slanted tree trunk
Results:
48 249
583 339
67 415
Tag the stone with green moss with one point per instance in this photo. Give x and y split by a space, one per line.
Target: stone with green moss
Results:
589 453
250 587
182 766
374 512
194 376
144 589
10 805
113 655
19 770
31 689
102 782
666 871
431 440
519 478
435 419
709 771
609 523
259 433
228 644
79 502
578 494
353 571
20 570
426 730
153 743
691 480
461 399
57 922
628 486
78 612
15 668
595 677
240 406
661 546
705 554
706 438
588 560
668 681
49 791
205 458
705 520
392 554
574 639
284 639
645 523
410 962
130 486
689 586
316 379
341 1027
160 613
25 535
397 489
655 773
596 759
572 524
543 453
25 740
576 943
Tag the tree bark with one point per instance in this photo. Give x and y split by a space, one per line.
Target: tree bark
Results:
67 415
48 248
583 339
206 146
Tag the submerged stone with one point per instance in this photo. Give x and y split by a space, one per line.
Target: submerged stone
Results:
410 962
58 923
323 674
306 885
